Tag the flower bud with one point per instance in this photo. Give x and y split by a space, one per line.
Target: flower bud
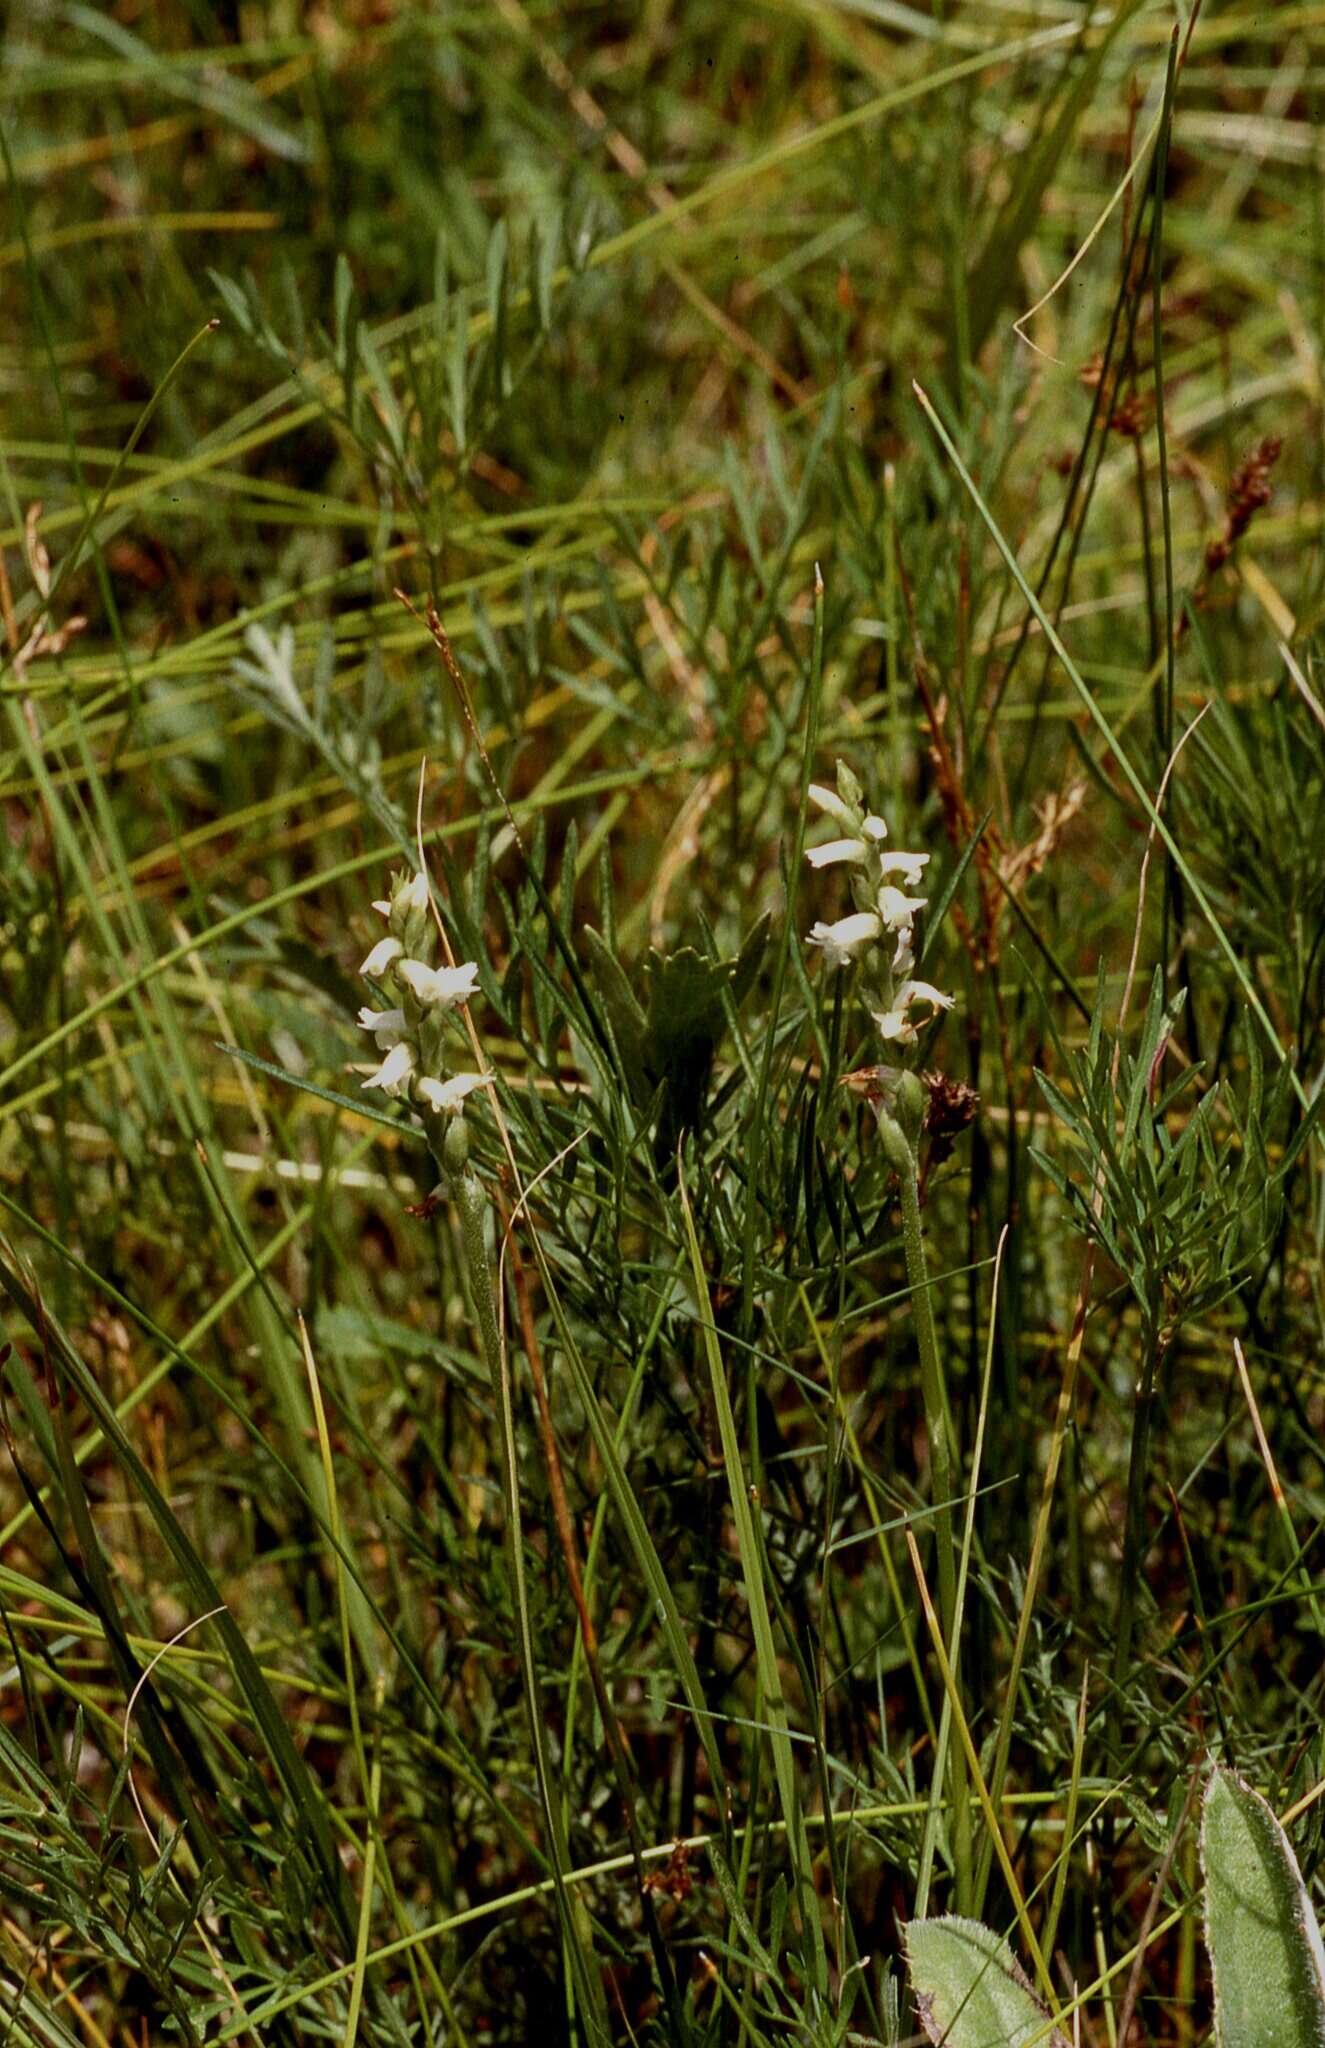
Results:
409 919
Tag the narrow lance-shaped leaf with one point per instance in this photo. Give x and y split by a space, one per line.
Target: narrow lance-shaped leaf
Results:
1263 1936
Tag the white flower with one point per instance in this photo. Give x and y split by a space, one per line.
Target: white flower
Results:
413 895
895 1023
448 1096
392 1077
386 1026
908 865
829 800
898 910
923 992
834 850
446 986
382 906
843 940
383 953
885 887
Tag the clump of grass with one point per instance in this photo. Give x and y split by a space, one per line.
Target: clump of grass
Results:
705 1433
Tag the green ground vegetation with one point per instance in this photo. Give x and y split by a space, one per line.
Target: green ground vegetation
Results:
604 1592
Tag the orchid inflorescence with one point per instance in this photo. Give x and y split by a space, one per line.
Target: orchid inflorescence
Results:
880 931
411 1035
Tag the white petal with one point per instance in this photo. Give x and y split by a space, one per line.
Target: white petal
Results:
843 940
394 1072
418 979
923 992
834 850
904 959
829 800
387 1026
909 866
897 910
414 893
383 953
383 906
874 828
894 1024
448 1096
444 985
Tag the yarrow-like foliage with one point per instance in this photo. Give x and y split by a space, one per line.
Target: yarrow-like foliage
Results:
411 1033
880 931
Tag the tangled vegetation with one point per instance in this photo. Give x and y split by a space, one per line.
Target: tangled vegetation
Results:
662 1011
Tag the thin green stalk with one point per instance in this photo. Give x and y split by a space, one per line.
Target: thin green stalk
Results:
1134 1532
1039 1550
872 1499
373 1795
900 1138
1120 755
324 878
1172 906
934 1393
600 1516
1049 1932
472 1208
961 1807
757 1121
752 1557
897 723
982 1792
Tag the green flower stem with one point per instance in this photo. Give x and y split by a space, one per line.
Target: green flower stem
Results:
472 1212
943 1463
1134 1532
934 1392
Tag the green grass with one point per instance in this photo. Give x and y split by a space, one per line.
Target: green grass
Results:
516 1599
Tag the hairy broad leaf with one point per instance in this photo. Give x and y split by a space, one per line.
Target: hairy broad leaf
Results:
970 1990
1264 1939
